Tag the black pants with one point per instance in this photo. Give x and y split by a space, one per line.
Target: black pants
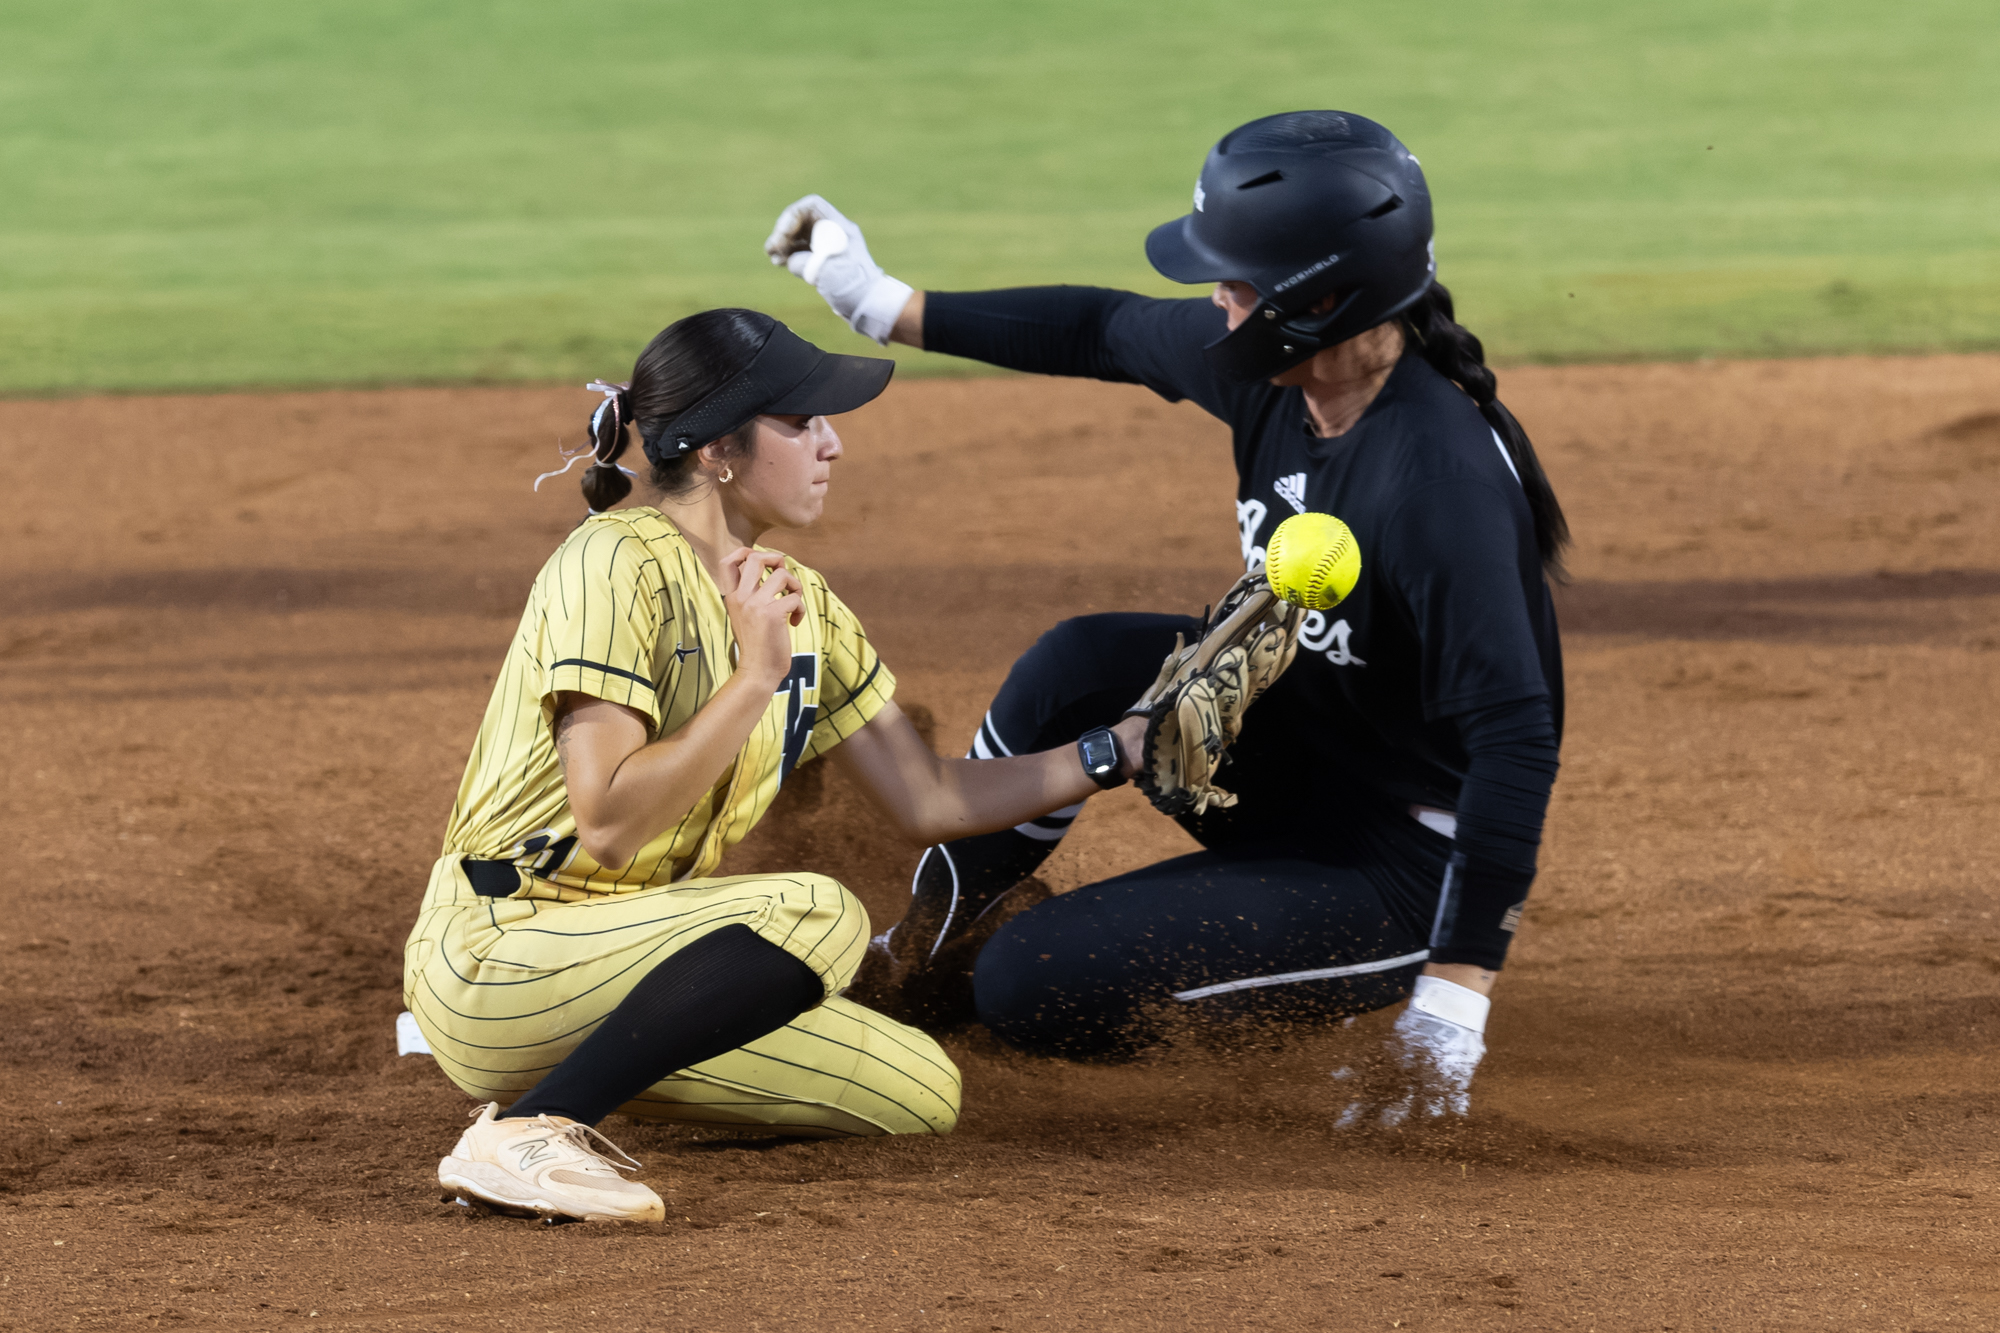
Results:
1299 906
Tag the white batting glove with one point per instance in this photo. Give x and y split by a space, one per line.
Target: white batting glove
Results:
815 241
1433 1050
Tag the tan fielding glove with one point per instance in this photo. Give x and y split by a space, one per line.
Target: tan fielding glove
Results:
1195 708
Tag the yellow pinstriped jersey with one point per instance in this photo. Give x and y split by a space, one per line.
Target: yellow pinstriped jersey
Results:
624 611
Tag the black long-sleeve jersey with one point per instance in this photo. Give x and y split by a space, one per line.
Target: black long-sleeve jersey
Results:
1438 681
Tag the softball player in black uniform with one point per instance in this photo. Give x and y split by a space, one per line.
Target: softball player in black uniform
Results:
1393 782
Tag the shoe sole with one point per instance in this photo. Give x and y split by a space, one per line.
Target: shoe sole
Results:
480 1208
478 1184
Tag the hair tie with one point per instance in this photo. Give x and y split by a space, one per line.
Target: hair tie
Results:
614 403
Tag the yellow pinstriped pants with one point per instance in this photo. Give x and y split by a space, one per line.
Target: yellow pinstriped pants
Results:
504 988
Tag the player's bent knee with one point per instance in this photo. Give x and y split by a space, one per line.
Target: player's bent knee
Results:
1065 637
820 922
903 1082
1067 642
849 943
1035 1003
899 1079
939 1117
1048 661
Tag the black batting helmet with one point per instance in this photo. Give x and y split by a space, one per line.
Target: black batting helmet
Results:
1301 205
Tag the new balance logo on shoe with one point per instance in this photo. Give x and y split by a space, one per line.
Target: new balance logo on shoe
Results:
1292 490
493 1166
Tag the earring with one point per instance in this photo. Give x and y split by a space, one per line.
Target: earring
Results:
728 473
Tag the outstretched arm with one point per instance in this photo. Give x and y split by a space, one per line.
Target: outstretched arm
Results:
909 327
1439 1038
1094 332
932 800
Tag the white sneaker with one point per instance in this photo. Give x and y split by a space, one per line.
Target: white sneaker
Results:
546 1166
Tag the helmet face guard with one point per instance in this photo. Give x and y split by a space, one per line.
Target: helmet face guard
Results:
1303 207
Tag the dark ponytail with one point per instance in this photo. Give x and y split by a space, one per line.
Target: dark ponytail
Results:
604 482
686 361
1455 354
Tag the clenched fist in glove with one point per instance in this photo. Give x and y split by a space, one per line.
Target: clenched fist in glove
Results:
817 243
1432 1053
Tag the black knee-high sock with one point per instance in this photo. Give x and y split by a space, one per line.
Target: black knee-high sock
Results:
726 989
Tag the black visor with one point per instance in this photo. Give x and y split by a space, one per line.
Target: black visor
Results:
788 377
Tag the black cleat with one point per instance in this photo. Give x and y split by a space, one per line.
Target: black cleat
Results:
920 969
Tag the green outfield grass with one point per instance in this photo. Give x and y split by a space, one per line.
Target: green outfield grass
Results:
354 191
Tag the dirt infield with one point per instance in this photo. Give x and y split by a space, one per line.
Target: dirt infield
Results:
1742 1067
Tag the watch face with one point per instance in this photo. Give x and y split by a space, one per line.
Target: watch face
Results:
1099 755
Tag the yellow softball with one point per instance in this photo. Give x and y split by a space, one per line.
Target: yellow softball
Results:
1312 561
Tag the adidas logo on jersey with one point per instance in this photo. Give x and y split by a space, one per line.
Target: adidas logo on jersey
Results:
1292 490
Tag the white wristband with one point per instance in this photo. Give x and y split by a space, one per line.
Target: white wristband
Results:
876 314
1451 1002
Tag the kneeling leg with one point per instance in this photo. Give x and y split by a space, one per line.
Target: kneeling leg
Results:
719 992
1083 673
1099 973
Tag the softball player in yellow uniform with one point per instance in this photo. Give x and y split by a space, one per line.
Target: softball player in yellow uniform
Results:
575 954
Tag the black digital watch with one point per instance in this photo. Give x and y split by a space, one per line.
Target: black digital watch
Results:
1098 749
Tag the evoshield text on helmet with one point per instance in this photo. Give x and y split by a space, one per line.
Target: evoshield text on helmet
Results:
1302 206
